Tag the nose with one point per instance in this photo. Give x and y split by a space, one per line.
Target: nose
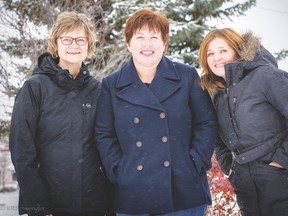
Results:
217 57
147 42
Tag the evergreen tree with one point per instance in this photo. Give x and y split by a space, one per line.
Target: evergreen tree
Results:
30 20
25 23
24 29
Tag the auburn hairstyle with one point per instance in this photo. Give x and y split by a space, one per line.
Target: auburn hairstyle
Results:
155 20
209 80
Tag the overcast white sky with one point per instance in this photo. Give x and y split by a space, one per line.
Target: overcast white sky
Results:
269 20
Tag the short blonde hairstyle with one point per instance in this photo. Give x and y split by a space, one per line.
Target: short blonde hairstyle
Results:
69 21
209 80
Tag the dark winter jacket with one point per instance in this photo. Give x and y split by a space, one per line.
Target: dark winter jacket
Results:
253 109
156 142
52 143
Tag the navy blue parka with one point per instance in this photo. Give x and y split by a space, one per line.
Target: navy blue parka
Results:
156 142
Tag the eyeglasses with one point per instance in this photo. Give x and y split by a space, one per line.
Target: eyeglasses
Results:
80 41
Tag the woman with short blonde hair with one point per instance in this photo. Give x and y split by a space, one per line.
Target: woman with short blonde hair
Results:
52 128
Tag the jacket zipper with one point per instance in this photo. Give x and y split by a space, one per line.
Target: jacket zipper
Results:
234 106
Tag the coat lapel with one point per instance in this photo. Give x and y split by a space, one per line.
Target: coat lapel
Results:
131 88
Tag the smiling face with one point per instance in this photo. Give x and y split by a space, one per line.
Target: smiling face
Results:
220 53
71 56
146 47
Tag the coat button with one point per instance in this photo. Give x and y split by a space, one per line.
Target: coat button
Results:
164 139
166 163
162 115
136 120
139 144
140 167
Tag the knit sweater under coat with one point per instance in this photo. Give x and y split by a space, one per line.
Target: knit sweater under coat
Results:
52 143
253 109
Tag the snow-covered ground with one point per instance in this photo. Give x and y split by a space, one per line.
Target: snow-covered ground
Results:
9 203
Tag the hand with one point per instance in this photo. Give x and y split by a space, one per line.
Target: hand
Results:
49 215
276 165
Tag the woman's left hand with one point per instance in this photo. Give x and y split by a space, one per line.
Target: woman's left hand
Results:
276 165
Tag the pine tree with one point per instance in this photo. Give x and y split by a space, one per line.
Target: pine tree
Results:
24 28
30 20
25 23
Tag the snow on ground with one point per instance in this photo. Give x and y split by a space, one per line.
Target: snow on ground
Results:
9 203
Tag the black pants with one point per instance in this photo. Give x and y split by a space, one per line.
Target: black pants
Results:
261 189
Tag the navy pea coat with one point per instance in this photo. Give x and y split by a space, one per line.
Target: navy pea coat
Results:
156 142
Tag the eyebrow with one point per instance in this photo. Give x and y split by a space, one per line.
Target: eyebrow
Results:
217 48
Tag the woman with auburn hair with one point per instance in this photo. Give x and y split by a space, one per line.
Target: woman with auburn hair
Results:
51 141
251 101
155 127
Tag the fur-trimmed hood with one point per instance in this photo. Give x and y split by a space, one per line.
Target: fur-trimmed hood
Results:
253 51
251 56
250 48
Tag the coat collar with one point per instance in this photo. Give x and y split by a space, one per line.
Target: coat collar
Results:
234 73
165 83
48 66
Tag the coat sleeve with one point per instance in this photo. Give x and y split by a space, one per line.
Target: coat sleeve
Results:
223 156
105 134
24 152
277 94
204 129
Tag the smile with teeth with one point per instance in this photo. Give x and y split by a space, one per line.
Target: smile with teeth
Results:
146 52
219 65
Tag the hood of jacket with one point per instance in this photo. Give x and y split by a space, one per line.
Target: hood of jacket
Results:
252 55
48 66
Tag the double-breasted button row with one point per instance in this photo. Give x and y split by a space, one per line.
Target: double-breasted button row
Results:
166 164
139 143
136 119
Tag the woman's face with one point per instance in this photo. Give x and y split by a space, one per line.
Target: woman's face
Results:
75 53
220 53
146 47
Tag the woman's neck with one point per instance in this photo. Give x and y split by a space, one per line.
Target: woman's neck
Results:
146 75
73 69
